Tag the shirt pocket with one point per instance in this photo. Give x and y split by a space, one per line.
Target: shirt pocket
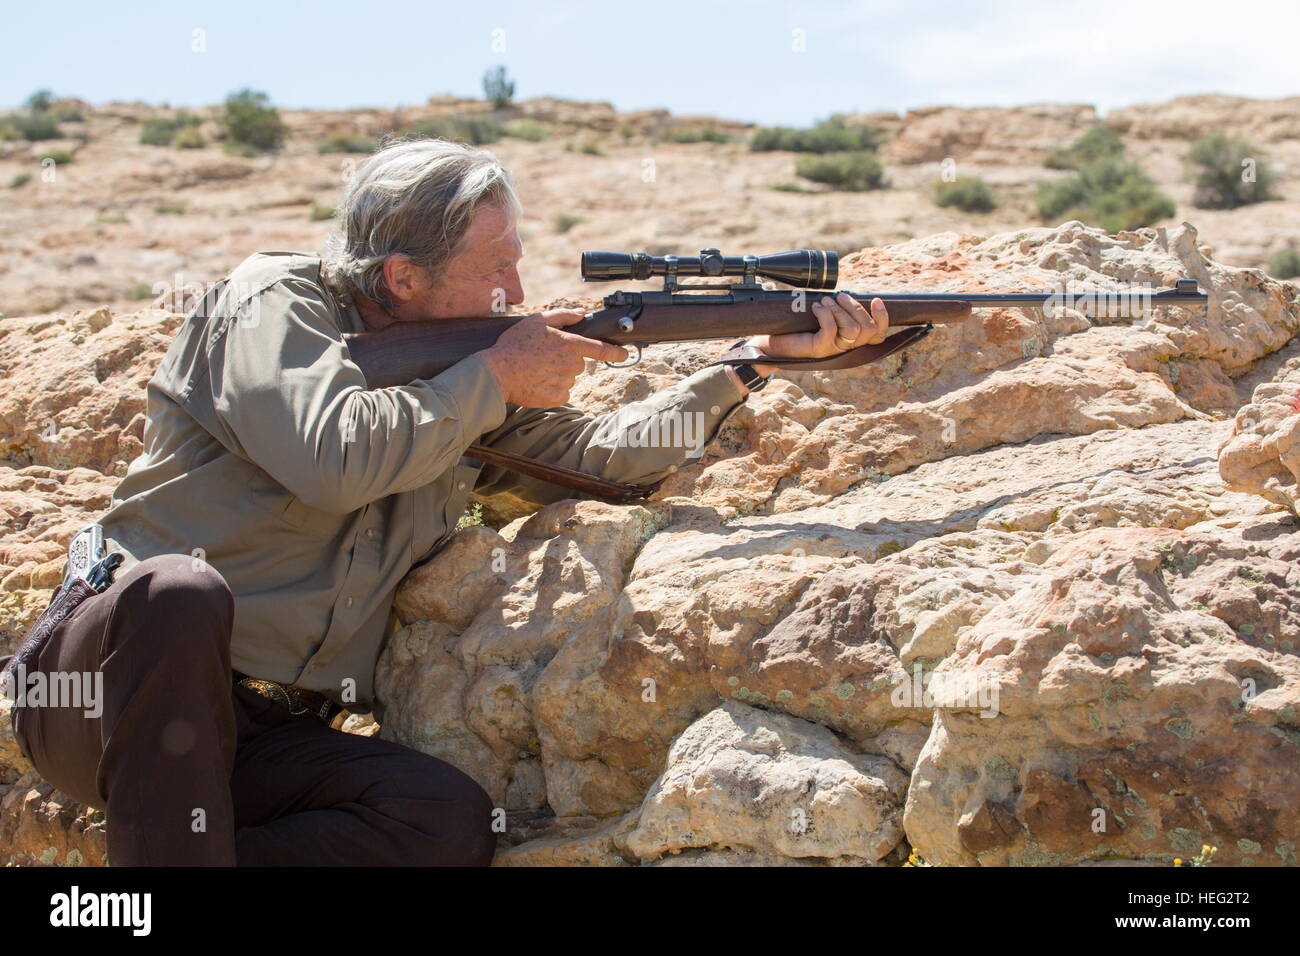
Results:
437 508
304 517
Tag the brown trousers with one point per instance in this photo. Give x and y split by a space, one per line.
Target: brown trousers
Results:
192 770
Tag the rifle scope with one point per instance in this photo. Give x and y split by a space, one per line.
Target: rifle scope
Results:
804 268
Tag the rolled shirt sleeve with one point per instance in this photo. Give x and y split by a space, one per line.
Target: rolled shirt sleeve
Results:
290 399
638 443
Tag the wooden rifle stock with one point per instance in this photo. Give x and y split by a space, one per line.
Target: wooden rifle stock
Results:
406 351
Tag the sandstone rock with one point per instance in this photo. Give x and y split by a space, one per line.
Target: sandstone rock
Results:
40 826
986 133
1262 455
748 779
1147 681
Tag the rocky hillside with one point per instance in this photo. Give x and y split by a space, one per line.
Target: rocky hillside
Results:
1025 593
126 224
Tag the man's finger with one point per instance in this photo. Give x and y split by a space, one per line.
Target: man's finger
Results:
881 316
593 349
561 317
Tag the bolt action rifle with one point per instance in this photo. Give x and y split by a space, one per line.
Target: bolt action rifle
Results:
679 313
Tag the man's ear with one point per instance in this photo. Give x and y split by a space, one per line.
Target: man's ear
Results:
402 276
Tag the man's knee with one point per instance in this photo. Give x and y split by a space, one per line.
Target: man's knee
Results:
451 809
182 598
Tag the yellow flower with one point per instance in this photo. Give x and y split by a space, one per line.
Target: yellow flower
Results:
1177 862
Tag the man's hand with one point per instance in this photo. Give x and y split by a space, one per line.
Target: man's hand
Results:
537 363
845 324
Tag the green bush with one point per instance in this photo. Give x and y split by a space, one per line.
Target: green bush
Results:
164 130
252 121
169 209
970 195
528 129
475 129
565 221
188 138
1215 165
20 179
1285 264
1112 193
346 143
790 188
497 88
39 102
320 213
854 171
60 156
831 135
33 127
1100 142
693 134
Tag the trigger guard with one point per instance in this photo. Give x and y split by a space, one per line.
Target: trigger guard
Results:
634 361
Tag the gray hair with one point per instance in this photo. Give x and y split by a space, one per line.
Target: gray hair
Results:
413 198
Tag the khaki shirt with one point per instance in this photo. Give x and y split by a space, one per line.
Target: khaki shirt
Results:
268 458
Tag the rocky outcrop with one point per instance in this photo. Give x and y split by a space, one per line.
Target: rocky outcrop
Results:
1262 455
990 601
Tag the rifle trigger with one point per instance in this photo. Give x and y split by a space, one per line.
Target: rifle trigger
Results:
635 361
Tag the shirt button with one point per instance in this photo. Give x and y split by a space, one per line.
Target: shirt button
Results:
714 410
348 602
370 533
461 486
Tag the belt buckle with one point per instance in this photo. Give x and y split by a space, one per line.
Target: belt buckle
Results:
258 684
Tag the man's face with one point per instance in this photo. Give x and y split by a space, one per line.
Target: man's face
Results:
483 277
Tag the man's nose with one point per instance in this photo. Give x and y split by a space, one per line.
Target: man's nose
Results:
514 289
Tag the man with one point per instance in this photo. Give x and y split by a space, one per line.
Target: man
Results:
279 503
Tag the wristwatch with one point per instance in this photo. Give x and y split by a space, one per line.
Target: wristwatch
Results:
749 375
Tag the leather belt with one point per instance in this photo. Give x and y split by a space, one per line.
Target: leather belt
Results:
299 700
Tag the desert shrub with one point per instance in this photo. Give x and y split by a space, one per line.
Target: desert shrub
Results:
693 134
252 121
169 209
1100 142
528 129
790 188
188 138
853 171
346 143
20 179
164 130
1218 164
31 127
969 195
319 213
476 130
1112 193
1285 264
831 135
565 221
39 102
497 88
60 156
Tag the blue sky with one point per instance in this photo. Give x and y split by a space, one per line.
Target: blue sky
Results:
735 59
